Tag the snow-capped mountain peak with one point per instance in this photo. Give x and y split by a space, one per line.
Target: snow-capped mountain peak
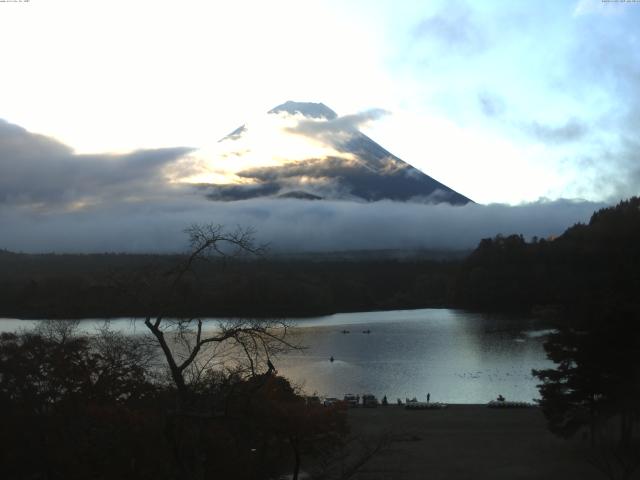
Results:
305 150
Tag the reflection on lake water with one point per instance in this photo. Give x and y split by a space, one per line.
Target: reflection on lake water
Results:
456 356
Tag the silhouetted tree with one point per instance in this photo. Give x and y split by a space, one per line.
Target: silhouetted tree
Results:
596 385
73 406
190 349
184 340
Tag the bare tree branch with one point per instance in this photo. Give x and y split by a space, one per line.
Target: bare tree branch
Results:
257 339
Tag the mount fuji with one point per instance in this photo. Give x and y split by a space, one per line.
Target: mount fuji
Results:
305 150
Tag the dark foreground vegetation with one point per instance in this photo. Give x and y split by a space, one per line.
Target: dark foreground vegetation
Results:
181 402
75 407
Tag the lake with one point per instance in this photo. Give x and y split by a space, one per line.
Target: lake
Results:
456 356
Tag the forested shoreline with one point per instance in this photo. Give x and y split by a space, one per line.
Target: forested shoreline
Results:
599 261
110 285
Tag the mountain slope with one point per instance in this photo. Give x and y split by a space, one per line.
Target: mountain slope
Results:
331 159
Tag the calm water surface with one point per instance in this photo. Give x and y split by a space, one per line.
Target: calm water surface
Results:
456 356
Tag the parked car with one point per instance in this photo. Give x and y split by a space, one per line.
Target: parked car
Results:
330 401
351 400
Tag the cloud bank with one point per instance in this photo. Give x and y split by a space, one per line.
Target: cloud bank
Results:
40 171
52 200
288 225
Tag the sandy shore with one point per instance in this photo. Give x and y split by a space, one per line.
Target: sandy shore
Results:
468 442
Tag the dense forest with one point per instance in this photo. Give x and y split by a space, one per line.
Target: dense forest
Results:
596 263
111 285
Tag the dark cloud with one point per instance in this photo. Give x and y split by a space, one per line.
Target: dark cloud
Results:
35 169
331 177
18 143
287 224
454 29
316 168
229 193
571 131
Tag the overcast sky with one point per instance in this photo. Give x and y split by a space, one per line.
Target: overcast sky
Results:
505 102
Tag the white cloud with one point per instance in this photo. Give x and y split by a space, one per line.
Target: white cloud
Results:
287 225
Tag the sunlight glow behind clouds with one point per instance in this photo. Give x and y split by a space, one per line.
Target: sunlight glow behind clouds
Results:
265 142
153 74
119 76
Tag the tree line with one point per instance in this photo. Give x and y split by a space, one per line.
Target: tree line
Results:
100 285
599 260
594 263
